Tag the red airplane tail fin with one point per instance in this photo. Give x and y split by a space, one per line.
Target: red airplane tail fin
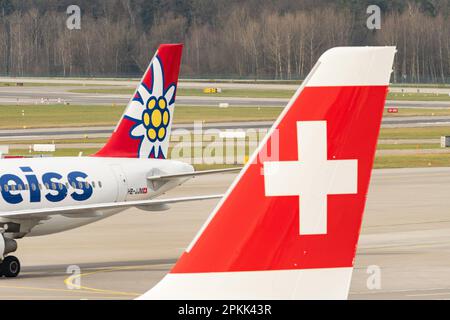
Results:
288 226
144 129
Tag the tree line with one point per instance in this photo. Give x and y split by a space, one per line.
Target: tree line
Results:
249 39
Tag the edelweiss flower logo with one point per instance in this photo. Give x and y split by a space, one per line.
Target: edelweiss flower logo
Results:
151 109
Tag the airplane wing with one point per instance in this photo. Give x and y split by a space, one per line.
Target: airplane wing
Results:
97 208
191 174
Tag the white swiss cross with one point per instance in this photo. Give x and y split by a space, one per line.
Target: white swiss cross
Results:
312 177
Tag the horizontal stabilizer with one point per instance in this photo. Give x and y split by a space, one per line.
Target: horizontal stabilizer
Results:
192 174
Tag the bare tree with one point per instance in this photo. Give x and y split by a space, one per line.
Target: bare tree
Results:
227 38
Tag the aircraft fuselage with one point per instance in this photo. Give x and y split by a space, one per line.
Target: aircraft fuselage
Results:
34 183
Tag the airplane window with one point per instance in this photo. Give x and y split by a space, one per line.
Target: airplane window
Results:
47 186
13 188
80 184
74 185
100 184
53 186
67 185
26 187
93 184
33 187
6 188
40 186
61 186
19 187
87 184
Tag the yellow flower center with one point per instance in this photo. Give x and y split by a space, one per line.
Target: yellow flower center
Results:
161 132
162 103
146 119
152 134
151 104
166 118
156 118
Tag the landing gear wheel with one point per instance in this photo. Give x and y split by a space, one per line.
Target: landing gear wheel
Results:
10 267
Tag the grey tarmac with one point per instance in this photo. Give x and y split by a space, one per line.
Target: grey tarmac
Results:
405 233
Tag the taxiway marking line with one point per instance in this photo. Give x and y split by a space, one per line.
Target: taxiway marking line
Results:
45 289
81 289
69 281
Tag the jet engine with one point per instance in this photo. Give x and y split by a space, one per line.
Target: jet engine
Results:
7 246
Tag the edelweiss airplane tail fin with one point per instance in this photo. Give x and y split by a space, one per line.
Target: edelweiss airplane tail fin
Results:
144 129
288 226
